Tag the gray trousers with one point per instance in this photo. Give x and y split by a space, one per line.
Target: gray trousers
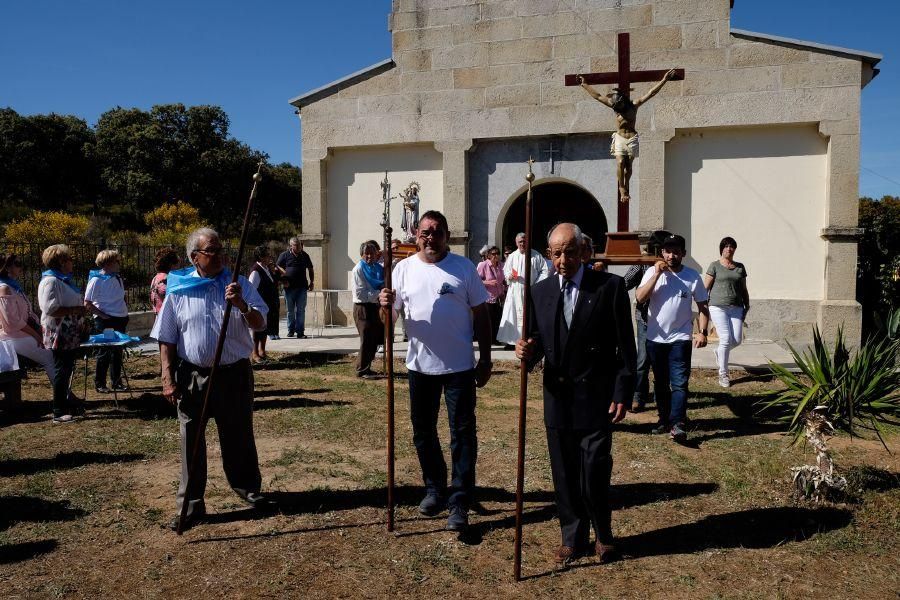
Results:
231 405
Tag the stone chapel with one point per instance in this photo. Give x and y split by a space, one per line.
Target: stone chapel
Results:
760 141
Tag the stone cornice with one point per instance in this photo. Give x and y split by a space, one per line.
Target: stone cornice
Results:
842 234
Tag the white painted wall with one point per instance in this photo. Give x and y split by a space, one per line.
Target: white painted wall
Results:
354 205
765 187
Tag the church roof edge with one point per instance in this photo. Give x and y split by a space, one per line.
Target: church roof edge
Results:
344 82
867 57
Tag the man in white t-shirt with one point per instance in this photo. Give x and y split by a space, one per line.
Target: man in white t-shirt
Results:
443 300
670 288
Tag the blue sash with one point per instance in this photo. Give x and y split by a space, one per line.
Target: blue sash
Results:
67 279
373 273
186 279
11 283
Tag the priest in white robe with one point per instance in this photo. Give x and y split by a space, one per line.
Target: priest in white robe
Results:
514 272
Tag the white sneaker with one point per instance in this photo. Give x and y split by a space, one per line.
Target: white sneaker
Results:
724 381
64 419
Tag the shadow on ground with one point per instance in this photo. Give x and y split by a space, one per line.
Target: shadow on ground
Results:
13 553
755 528
63 460
18 509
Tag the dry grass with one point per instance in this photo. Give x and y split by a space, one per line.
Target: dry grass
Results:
82 506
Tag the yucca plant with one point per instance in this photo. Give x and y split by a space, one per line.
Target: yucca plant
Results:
861 389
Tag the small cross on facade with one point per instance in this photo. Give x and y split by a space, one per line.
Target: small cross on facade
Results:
551 152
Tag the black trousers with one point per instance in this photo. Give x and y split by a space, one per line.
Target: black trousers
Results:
581 463
109 359
231 405
64 362
371 333
495 310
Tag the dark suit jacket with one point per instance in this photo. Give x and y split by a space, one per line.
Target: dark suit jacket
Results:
595 363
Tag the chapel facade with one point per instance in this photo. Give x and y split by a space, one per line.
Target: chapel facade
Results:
760 141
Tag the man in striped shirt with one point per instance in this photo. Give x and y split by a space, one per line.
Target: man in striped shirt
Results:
187 329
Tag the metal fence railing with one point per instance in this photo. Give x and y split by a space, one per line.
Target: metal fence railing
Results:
137 268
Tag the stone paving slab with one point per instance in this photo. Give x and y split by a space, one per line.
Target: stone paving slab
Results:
751 355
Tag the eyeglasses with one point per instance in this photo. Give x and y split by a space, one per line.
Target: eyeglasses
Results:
431 233
211 251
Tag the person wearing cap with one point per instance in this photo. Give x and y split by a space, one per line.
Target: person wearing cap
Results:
633 277
669 288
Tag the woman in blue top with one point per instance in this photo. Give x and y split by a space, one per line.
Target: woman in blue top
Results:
729 301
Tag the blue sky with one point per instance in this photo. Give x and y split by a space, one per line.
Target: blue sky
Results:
83 57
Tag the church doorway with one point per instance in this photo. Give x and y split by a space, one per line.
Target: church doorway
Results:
555 202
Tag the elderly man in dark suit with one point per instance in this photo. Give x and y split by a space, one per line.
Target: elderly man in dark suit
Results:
581 326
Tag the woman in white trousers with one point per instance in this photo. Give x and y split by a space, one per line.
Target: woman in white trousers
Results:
729 301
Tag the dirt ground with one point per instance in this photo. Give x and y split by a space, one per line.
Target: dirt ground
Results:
83 506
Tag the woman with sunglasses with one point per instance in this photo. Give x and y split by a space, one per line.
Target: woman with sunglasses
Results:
19 325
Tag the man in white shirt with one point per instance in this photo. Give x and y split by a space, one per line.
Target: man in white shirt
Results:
187 329
670 288
443 300
514 272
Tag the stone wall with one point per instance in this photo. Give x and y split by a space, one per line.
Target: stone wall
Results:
469 70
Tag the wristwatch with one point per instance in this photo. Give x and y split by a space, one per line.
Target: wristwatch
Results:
704 332
247 312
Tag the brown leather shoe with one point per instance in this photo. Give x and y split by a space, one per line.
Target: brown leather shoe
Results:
565 556
606 553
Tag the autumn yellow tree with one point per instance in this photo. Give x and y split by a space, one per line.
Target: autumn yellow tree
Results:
48 227
171 223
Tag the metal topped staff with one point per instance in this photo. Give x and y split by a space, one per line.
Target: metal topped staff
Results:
523 382
388 348
220 345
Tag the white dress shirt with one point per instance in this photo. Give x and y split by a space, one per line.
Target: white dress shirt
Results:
191 320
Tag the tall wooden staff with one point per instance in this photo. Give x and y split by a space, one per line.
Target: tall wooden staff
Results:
389 349
220 345
523 382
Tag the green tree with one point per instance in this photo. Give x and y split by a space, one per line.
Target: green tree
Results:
44 163
878 287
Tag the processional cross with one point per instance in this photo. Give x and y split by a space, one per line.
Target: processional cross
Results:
625 139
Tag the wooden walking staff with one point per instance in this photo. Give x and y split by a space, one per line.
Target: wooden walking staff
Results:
220 345
523 382
389 348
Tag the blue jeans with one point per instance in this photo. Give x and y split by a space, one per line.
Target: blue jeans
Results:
671 371
424 406
642 374
296 309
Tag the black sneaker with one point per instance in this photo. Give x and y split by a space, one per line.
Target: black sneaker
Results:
458 519
637 406
432 504
120 387
660 428
260 502
102 389
679 435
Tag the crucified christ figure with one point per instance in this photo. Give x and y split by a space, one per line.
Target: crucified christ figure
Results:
625 141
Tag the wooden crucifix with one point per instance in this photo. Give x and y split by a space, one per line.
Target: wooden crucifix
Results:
624 141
